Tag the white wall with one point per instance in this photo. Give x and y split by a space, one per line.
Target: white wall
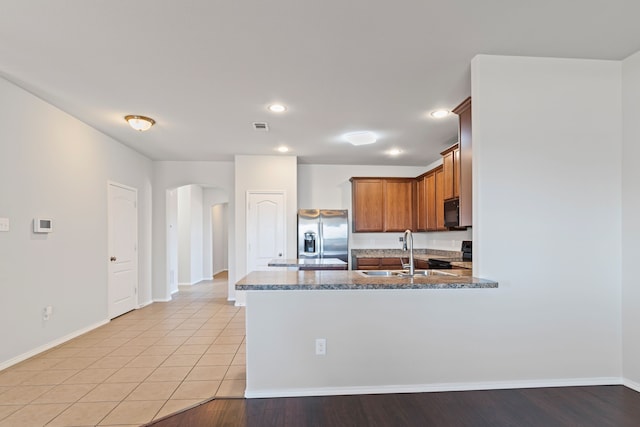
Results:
630 223
263 173
190 234
220 233
172 239
547 197
184 235
215 233
196 234
170 175
328 187
547 227
55 166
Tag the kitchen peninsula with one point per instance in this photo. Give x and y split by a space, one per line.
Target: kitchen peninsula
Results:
343 332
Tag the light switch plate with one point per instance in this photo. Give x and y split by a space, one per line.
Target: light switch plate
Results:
4 224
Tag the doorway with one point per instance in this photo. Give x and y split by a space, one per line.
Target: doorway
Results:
219 239
266 232
122 240
191 231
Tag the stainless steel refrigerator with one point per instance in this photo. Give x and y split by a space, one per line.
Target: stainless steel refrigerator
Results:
323 233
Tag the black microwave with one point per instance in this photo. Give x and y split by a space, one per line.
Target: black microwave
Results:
452 213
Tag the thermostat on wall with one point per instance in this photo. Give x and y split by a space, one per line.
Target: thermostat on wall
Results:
42 225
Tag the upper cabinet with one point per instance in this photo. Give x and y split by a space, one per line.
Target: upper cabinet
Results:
383 204
430 201
367 204
451 170
464 138
397 204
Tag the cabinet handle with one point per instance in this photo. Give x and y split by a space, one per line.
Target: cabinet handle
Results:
112 259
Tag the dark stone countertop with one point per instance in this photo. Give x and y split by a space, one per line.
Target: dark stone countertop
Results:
355 280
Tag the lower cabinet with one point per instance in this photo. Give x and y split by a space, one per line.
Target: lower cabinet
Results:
421 264
367 264
377 264
387 264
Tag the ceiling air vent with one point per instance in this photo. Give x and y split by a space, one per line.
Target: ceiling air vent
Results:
261 126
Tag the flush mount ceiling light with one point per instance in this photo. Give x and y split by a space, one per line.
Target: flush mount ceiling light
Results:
140 123
277 108
439 114
394 152
361 138
283 149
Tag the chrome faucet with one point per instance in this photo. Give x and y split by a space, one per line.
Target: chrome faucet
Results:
408 236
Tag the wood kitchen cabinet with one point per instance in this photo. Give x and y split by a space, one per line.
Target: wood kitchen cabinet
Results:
451 172
377 264
398 204
421 264
439 208
367 264
367 204
465 164
421 203
390 264
430 201
382 204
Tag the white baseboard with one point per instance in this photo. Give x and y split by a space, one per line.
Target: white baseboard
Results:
50 345
144 304
184 284
631 384
426 388
162 300
175 291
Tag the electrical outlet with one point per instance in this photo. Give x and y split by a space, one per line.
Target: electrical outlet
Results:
47 312
321 346
401 239
4 224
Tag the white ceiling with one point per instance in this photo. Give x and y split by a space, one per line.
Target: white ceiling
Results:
206 69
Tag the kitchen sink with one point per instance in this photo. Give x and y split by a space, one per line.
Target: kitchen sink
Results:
404 273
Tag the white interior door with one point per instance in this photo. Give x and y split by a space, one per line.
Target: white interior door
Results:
123 249
266 231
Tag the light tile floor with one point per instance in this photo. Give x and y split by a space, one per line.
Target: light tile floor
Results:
141 366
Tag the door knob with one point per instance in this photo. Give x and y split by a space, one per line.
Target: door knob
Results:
280 254
112 259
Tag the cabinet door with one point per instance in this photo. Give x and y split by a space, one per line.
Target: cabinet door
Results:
464 112
430 184
448 175
421 204
390 264
368 264
368 205
439 200
456 173
422 264
398 204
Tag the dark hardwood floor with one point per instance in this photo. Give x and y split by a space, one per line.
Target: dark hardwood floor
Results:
596 406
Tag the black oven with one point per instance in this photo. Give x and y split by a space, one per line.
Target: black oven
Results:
452 213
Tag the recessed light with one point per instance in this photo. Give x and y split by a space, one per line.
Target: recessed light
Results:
283 149
277 108
439 114
394 152
361 138
140 123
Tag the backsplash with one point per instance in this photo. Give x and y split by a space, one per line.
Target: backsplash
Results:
444 240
